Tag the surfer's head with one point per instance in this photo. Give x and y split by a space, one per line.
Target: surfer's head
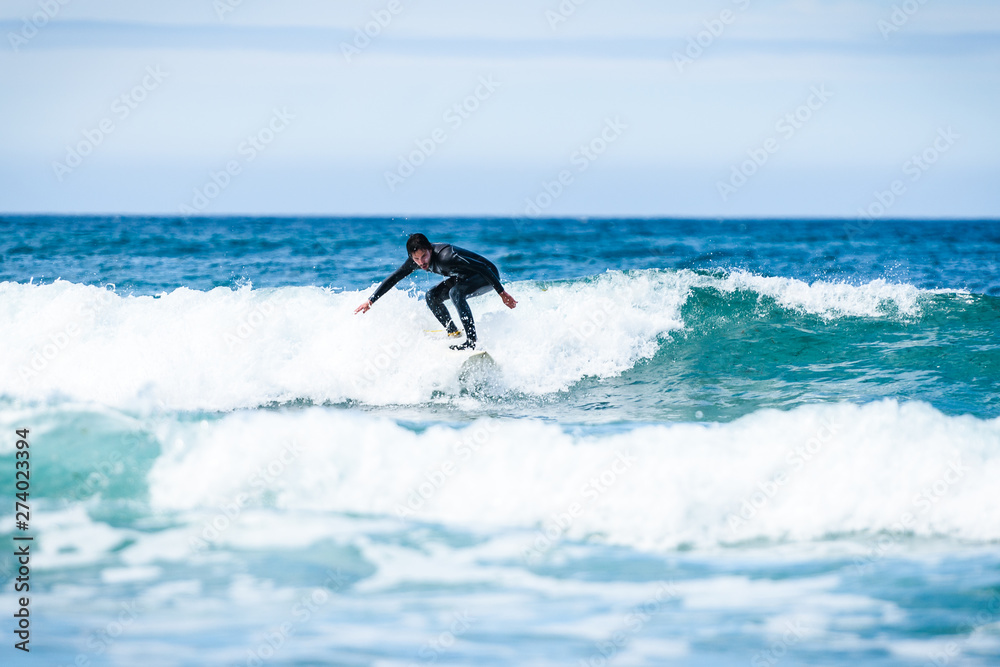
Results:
419 249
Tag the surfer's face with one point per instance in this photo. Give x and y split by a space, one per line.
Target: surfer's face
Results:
422 258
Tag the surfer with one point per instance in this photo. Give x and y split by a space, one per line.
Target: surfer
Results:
468 274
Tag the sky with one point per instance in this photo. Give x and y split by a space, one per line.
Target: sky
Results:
720 108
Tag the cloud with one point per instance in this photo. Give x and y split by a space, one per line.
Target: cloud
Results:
360 109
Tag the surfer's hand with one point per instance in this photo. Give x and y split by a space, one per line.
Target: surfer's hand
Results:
508 300
363 308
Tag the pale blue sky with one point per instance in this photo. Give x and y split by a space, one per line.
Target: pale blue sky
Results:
676 132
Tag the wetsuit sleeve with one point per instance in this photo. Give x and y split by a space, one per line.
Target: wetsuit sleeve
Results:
408 267
477 265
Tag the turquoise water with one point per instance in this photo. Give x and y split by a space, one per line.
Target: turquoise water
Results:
701 443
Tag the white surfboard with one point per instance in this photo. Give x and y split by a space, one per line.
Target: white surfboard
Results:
479 373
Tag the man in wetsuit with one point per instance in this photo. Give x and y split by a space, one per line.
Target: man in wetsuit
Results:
468 274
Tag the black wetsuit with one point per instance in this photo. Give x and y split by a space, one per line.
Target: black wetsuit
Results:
468 274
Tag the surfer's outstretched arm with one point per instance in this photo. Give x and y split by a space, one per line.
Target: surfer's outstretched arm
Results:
408 267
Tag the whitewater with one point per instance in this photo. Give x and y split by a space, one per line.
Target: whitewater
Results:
243 348
722 443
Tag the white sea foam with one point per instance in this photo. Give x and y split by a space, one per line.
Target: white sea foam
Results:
810 473
226 349
828 299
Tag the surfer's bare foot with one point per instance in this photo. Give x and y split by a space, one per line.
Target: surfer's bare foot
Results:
467 345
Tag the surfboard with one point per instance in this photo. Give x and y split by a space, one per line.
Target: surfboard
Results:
441 334
476 357
479 372
473 358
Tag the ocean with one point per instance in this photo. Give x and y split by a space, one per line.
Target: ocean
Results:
700 442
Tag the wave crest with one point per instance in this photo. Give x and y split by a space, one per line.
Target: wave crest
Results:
806 474
234 348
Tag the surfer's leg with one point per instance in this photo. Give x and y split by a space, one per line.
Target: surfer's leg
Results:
459 293
435 301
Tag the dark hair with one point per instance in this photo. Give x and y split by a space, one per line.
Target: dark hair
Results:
417 242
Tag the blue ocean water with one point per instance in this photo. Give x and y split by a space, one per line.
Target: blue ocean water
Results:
700 442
